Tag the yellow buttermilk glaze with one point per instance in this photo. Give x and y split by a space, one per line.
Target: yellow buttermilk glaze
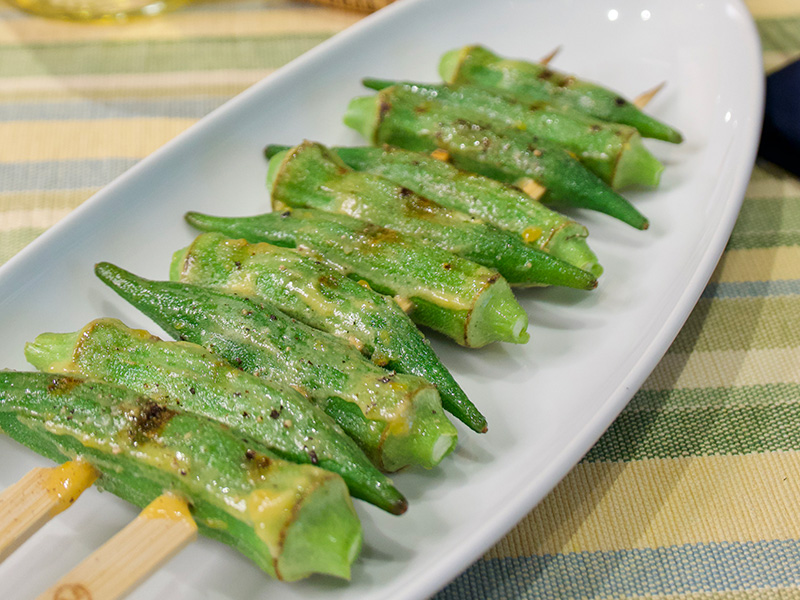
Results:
67 482
167 506
270 511
531 234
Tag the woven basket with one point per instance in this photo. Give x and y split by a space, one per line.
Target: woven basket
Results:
362 5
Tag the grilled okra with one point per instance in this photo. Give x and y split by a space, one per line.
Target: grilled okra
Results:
467 302
502 205
613 152
291 520
532 82
186 376
310 291
400 118
311 176
396 419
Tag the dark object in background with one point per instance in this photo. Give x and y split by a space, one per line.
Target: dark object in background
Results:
780 138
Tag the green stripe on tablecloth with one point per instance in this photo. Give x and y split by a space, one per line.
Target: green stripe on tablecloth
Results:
767 222
152 56
779 34
766 569
740 324
703 422
11 242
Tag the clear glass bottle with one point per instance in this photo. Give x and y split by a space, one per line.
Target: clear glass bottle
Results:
96 10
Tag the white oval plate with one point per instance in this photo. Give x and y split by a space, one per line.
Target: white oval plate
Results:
546 402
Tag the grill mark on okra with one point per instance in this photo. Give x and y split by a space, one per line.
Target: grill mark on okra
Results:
63 385
149 420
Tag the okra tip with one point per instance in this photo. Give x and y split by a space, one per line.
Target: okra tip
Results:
362 115
449 64
374 83
272 149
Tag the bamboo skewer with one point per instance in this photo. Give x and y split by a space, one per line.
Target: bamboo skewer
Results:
160 531
644 98
546 60
38 497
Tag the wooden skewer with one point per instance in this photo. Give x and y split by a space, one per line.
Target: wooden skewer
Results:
38 497
160 531
644 98
546 60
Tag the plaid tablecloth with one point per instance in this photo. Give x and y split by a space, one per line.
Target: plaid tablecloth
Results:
695 489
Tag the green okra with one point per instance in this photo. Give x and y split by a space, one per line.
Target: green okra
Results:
310 291
186 376
396 117
396 419
291 520
465 301
311 176
502 205
532 82
613 152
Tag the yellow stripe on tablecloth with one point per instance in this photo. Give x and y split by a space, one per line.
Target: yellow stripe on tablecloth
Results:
133 85
728 368
664 502
54 200
37 218
758 264
62 140
182 25
773 187
773 9
775 59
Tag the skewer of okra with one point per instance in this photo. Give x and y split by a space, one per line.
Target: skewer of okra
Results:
311 176
532 82
502 205
613 152
398 117
465 301
396 419
185 376
291 520
312 291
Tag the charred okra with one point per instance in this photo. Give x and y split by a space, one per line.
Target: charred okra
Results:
310 291
291 520
311 176
396 419
613 152
186 376
502 205
397 117
467 302
532 82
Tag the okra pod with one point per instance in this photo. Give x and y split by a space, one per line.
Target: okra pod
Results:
396 419
186 376
613 152
467 302
310 291
311 176
396 117
502 205
291 520
532 82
